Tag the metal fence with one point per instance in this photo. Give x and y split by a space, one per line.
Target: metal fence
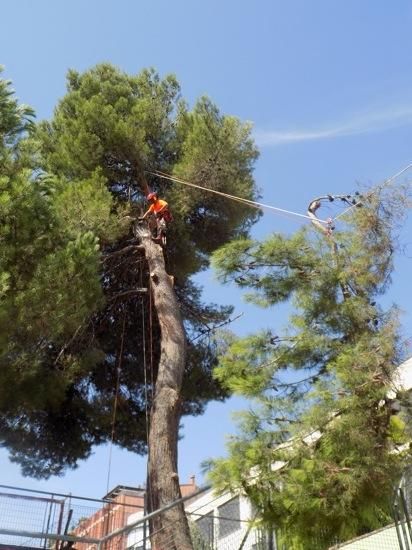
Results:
397 536
386 538
34 519
215 524
37 519
211 532
225 523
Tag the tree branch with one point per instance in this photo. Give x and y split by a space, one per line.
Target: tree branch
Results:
128 293
125 250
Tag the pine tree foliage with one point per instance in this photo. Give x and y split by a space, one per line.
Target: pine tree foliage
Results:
15 119
37 312
320 451
71 268
124 125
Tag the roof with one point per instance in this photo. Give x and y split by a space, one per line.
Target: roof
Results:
124 490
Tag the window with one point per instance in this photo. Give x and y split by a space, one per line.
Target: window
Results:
229 517
205 529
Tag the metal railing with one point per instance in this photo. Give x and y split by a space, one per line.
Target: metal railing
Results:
385 538
217 522
36 519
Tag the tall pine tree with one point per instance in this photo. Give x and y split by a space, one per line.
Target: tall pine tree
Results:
320 450
38 314
72 314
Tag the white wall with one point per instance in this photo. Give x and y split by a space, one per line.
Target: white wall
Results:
207 503
385 538
135 537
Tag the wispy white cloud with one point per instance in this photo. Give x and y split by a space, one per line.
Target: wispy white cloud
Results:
376 121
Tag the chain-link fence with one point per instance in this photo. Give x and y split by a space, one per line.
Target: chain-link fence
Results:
396 536
209 533
37 519
26 513
226 522
387 538
216 523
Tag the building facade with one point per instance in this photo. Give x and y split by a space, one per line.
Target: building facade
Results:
223 522
124 505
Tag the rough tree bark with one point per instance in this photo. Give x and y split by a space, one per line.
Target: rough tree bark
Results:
169 530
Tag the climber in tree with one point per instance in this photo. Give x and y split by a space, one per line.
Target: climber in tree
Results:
160 209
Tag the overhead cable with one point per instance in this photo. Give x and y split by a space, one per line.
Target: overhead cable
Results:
253 204
386 182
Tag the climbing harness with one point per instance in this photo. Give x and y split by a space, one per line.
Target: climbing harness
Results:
162 219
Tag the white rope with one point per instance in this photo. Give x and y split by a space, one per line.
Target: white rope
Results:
386 182
253 204
397 174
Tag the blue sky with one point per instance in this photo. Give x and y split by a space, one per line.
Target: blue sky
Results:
326 83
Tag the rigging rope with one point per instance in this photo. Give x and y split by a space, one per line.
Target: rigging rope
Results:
259 205
386 182
116 398
152 388
145 372
151 334
253 204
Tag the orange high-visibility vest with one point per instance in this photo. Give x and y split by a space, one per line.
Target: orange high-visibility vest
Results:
158 205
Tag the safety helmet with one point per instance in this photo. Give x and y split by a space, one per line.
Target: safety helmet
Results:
151 196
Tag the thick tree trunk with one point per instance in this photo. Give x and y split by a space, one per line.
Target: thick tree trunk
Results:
169 530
